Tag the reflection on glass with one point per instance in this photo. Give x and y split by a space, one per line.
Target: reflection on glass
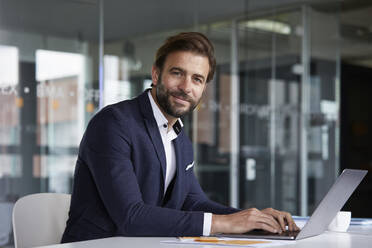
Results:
269 111
48 93
60 77
58 169
323 144
10 101
11 166
116 84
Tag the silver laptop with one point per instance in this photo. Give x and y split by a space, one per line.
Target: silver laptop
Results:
334 200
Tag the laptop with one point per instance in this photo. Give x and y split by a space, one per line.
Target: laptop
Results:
327 209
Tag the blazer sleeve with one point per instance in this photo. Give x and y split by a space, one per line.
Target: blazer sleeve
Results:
106 148
196 200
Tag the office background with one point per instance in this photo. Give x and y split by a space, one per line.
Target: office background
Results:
288 109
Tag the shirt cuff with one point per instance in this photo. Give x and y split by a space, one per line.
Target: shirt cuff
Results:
207 224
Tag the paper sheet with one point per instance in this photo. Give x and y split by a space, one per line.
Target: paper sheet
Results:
227 241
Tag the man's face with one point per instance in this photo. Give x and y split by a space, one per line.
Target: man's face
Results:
180 85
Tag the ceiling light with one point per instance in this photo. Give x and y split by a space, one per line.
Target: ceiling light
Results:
269 26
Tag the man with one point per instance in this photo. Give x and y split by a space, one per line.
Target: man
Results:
134 173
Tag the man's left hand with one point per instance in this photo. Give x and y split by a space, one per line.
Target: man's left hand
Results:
284 219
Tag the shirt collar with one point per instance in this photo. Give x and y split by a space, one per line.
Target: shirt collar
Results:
160 118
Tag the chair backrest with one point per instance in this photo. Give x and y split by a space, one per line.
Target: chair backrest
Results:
40 219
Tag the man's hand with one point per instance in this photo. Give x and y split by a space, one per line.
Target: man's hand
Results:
283 218
246 220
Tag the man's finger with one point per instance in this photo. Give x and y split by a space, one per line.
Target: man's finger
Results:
266 227
281 219
291 224
278 215
270 220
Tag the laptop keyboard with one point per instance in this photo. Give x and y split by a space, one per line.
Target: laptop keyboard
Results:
286 233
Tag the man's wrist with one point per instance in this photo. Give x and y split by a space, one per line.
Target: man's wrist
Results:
219 224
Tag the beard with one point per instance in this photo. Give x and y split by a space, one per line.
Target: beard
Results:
163 97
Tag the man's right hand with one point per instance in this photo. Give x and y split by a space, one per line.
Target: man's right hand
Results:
246 220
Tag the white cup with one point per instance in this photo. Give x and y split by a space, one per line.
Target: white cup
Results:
341 222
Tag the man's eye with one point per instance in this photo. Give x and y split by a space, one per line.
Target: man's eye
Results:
199 80
176 73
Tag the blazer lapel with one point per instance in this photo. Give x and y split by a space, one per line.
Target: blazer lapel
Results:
153 129
157 142
175 193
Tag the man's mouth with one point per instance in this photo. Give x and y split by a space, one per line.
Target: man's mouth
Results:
180 98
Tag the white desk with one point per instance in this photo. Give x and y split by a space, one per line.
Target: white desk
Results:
356 237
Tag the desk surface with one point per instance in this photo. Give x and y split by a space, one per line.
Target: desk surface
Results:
356 237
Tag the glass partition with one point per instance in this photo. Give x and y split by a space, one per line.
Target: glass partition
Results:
323 103
48 92
289 105
270 98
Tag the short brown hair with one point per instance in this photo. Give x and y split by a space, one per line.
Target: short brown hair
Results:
189 41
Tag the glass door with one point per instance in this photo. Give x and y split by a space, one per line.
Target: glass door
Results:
288 108
270 82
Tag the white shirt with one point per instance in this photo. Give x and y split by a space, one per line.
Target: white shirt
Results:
170 155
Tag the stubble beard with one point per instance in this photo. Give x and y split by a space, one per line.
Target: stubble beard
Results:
163 97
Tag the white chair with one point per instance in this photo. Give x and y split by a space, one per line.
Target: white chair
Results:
40 219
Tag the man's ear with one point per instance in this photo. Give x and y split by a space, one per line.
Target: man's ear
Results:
155 75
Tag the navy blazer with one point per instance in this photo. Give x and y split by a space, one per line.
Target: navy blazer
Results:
119 180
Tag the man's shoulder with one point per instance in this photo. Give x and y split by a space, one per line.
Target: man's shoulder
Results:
123 107
124 116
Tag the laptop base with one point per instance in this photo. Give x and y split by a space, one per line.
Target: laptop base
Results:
260 234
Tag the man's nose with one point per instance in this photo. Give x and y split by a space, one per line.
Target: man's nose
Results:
186 85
